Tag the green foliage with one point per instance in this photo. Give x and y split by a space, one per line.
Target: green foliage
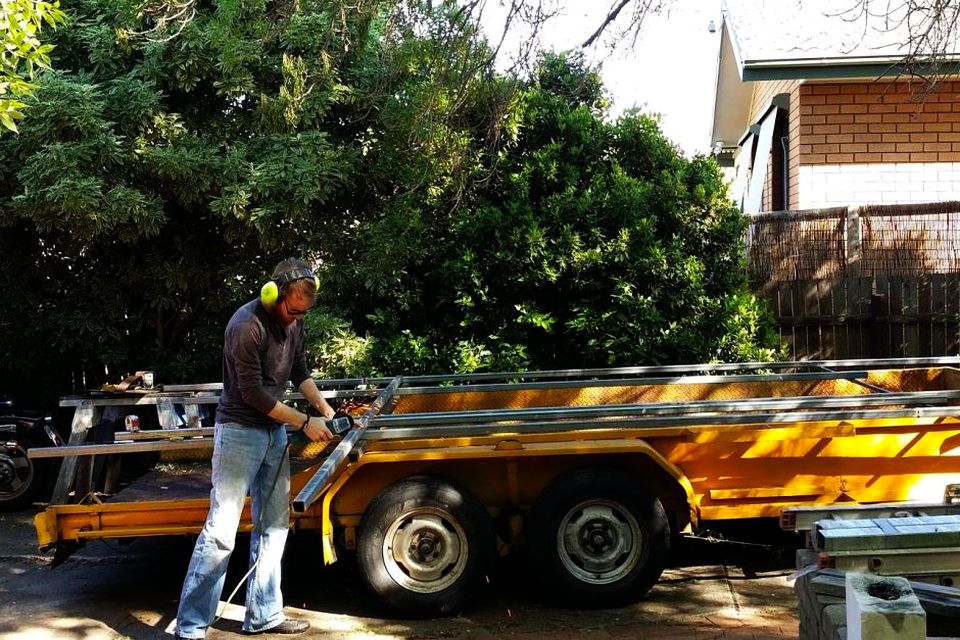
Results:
588 243
462 221
162 175
22 53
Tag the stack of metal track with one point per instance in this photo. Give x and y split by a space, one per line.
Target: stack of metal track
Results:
924 548
682 400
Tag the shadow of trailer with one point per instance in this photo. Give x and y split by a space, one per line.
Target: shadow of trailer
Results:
593 472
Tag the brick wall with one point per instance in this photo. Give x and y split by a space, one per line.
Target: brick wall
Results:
878 142
841 185
794 133
763 95
865 142
880 121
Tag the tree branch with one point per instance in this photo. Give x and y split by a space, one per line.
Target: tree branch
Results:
611 16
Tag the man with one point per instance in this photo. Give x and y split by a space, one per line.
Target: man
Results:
263 349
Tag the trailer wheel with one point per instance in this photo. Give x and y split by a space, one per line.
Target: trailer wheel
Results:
598 538
22 480
425 546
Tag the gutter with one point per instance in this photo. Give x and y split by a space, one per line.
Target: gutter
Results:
852 67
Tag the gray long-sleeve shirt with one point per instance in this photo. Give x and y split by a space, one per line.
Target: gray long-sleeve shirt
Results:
259 357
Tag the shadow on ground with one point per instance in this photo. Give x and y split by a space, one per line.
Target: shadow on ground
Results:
109 589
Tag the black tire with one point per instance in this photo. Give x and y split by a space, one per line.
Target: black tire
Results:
425 546
23 481
598 538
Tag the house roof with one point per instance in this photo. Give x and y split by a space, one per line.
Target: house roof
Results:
807 40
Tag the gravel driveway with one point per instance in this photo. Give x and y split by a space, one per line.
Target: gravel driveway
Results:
109 590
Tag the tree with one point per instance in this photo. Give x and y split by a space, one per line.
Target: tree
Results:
591 244
168 163
157 182
930 29
21 52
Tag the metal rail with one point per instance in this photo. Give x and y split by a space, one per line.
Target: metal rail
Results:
804 518
187 397
75 451
765 411
318 483
711 419
704 407
679 369
853 376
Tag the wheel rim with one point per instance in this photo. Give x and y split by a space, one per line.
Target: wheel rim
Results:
16 471
599 541
425 550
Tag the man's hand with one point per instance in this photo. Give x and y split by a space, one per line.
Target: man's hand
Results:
317 431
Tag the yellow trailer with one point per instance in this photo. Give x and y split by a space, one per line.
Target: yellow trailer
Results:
593 471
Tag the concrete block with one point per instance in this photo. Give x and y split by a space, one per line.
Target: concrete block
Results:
834 621
883 608
805 557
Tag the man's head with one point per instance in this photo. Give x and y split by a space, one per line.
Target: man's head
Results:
291 291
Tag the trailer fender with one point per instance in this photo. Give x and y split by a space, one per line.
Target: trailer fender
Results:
632 447
675 472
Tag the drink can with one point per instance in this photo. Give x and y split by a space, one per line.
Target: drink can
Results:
132 423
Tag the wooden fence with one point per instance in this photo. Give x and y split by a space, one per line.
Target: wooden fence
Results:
861 282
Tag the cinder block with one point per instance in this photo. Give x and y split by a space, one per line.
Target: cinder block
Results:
883 608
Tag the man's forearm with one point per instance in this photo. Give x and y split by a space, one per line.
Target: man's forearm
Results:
312 395
286 414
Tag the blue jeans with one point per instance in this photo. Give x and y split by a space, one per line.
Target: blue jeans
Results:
245 459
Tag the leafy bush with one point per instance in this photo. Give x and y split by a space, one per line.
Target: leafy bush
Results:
588 243
462 221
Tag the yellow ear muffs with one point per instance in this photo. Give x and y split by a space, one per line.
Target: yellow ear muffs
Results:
269 293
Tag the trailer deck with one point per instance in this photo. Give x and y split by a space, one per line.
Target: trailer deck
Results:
704 443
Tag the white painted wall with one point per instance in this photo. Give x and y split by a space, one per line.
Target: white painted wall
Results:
835 185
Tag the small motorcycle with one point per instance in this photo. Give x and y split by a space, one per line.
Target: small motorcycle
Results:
22 480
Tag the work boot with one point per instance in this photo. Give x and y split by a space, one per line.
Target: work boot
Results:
288 627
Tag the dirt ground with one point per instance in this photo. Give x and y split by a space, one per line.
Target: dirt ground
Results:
107 591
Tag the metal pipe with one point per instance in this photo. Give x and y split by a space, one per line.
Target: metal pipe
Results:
863 363
680 369
314 487
686 379
711 420
864 383
918 398
318 483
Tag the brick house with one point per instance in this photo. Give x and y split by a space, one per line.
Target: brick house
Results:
812 110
